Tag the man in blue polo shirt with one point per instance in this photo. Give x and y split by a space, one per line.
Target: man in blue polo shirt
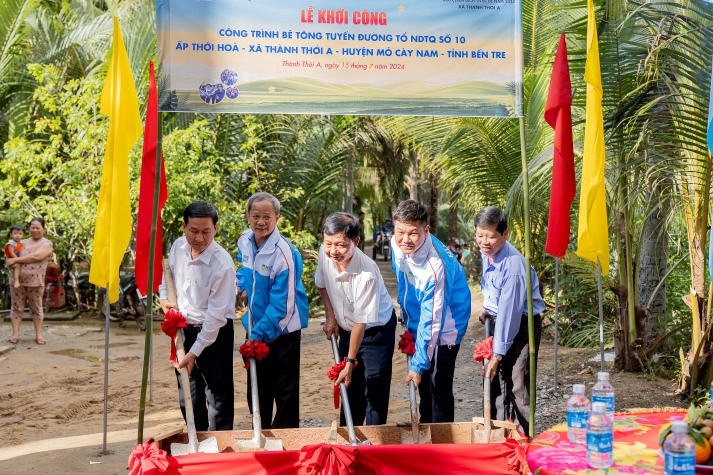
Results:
505 311
435 306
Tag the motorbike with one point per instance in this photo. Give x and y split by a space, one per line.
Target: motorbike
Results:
384 247
130 306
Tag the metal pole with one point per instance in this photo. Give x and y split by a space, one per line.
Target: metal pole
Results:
557 311
107 310
601 313
528 279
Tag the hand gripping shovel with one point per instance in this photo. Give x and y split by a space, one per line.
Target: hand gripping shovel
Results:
488 432
417 434
210 444
345 401
258 442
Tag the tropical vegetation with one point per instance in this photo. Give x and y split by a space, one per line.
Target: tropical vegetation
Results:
656 74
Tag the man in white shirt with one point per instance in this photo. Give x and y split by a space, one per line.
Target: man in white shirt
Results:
204 275
360 311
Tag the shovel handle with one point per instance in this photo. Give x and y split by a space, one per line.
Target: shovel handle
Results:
180 354
486 387
345 398
412 403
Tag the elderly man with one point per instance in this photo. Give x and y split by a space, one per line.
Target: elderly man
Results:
359 309
204 276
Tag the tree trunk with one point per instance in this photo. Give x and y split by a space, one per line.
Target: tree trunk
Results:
433 202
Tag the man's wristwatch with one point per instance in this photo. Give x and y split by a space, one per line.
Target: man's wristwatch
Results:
498 357
350 360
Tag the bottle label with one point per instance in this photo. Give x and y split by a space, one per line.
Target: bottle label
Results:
577 419
600 442
679 464
608 400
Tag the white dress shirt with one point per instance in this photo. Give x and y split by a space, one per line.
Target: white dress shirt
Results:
205 288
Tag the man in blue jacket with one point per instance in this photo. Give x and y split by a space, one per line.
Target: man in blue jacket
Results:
269 282
435 306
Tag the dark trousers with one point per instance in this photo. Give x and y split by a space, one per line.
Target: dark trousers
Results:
371 378
510 389
212 391
278 382
436 388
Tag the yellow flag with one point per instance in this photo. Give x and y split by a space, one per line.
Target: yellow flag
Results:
112 231
593 233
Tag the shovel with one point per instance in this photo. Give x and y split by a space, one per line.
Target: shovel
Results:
210 444
345 401
417 435
488 433
258 442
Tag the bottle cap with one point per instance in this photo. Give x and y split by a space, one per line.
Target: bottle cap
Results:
679 427
603 375
599 407
578 389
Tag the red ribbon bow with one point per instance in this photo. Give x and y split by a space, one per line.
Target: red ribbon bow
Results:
148 459
172 321
333 374
483 350
256 349
328 459
406 343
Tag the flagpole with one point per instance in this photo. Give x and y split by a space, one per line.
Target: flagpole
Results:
601 313
557 310
528 279
149 288
107 312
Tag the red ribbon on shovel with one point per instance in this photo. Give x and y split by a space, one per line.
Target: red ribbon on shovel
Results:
333 374
172 321
406 343
256 349
483 350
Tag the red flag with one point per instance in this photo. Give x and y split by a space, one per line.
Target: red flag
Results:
558 114
146 196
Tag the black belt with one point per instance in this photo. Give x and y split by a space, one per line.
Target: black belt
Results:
193 328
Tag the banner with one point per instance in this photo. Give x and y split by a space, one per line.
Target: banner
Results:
368 57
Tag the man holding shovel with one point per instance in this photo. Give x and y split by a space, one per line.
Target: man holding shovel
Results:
505 312
204 277
359 310
269 282
435 305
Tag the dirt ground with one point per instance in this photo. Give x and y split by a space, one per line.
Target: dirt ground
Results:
52 404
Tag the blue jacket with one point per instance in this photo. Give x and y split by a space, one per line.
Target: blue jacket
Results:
434 298
271 276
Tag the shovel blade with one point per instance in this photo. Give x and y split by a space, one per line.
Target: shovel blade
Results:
423 436
269 444
206 446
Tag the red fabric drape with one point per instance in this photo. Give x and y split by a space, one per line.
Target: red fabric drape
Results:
146 196
333 374
172 321
484 459
558 114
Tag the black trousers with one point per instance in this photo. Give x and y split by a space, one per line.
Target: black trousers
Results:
212 390
371 378
436 388
278 382
510 389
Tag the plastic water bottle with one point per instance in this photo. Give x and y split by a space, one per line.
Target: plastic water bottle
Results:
679 451
603 391
600 437
578 407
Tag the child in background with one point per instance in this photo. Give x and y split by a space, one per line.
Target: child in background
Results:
13 248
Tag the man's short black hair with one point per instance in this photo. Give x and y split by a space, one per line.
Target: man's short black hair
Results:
341 223
200 209
411 211
491 216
